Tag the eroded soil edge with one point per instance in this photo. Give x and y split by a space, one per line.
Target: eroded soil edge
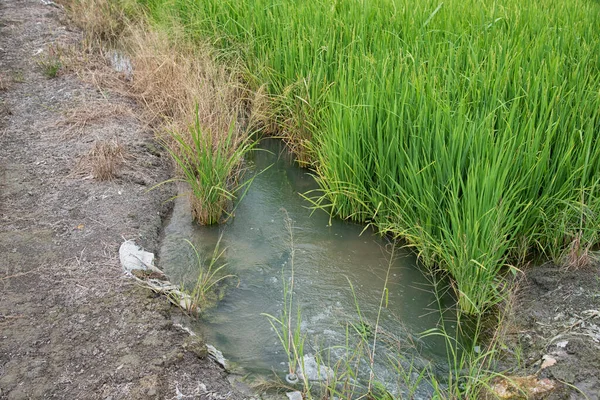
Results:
71 324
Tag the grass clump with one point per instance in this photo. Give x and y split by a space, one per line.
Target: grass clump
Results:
211 167
201 293
51 68
467 129
103 161
51 63
105 158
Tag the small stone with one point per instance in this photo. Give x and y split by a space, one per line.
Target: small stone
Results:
564 374
513 387
159 362
294 395
314 371
217 356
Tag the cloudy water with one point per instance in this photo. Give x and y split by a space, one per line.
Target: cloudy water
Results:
329 255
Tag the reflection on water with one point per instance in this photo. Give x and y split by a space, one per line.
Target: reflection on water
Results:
328 255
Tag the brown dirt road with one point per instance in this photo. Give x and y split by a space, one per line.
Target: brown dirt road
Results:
72 326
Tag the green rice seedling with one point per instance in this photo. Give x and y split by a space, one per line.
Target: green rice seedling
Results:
194 299
287 329
211 166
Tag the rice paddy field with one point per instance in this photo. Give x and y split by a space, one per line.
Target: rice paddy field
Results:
467 129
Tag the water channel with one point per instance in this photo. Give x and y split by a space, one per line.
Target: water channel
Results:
329 253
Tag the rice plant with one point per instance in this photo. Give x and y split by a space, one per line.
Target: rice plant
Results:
211 166
466 128
193 299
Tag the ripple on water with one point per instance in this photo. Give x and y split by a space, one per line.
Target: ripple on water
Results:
328 257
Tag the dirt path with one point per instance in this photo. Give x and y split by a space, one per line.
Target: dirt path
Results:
555 329
71 324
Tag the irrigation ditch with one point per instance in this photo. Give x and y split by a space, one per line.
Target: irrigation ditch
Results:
473 317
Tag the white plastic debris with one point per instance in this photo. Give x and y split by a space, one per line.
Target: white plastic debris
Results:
217 356
548 361
49 3
562 344
134 257
121 63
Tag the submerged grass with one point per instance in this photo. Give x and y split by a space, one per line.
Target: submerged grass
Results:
210 273
466 128
288 333
352 369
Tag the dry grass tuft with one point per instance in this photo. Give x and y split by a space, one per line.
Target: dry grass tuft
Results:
102 20
78 118
173 83
103 160
579 256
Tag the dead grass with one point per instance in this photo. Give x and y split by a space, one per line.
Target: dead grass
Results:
173 83
78 118
103 161
179 83
103 20
171 76
579 256
105 158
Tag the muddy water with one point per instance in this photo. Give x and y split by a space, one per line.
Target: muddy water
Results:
329 254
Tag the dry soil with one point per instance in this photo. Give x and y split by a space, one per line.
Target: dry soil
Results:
72 326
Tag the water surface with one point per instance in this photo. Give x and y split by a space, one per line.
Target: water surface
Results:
328 255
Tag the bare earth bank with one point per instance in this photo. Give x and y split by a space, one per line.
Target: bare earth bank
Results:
72 325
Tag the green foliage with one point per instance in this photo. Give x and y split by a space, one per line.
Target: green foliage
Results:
466 128
211 166
51 68
194 299
51 62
